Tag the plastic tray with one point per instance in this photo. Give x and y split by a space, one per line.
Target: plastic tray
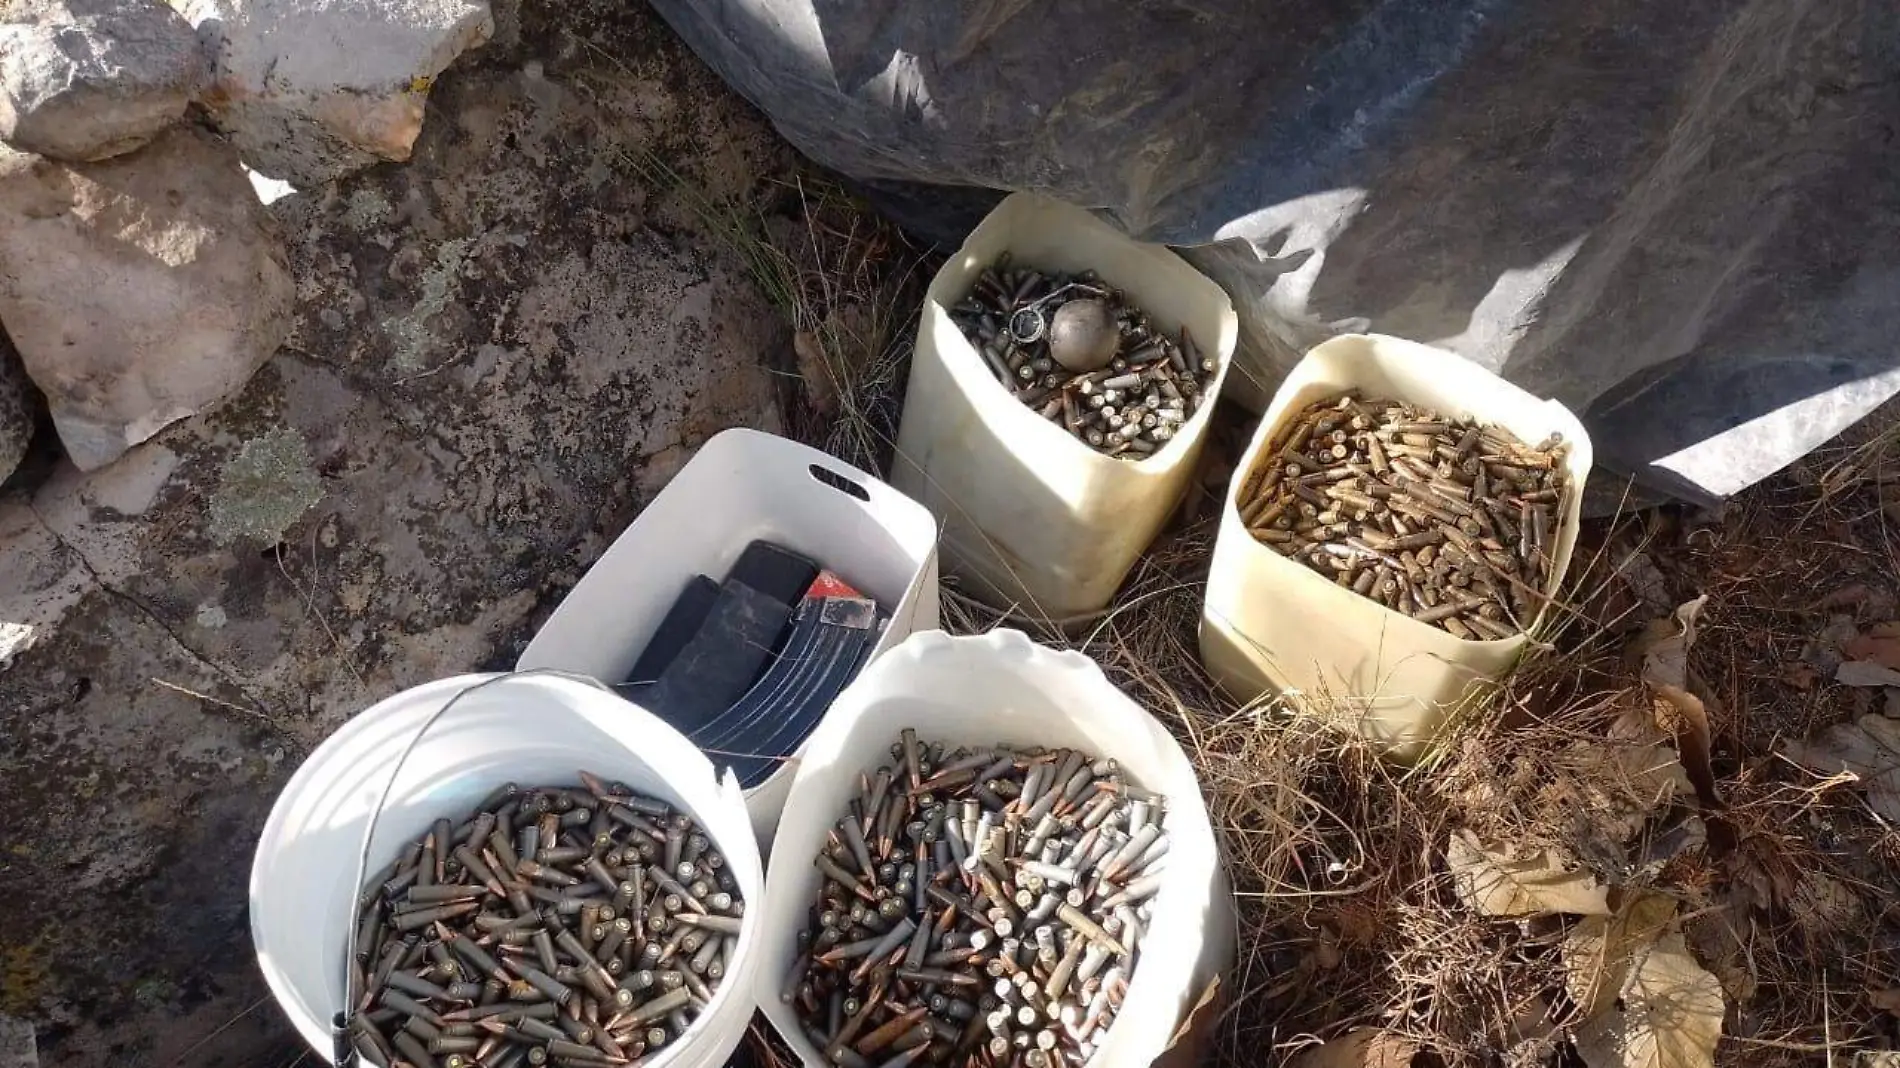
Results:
744 485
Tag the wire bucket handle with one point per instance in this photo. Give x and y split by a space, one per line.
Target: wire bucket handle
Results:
343 1049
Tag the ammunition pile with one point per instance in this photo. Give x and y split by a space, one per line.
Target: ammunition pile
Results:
1078 352
980 907
575 927
1448 521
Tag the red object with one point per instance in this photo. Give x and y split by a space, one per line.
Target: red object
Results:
828 584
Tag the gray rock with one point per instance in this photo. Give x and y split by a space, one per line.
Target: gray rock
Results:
17 1047
17 409
350 94
138 290
90 79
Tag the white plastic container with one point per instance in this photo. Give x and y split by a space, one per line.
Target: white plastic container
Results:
1032 517
1001 688
531 730
741 486
1271 624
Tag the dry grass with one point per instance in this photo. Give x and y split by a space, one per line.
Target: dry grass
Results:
1810 886
850 285
847 283
1348 917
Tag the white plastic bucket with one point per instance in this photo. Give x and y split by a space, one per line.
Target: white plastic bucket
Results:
744 485
1032 517
1269 623
1002 688
530 730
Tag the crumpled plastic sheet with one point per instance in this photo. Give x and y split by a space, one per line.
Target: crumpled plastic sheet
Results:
1681 220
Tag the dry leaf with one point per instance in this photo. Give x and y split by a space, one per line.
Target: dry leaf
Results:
1642 749
1192 1034
821 387
1645 579
1872 1058
1362 1047
1866 673
1636 725
1881 644
1886 1000
1609 790
1533 1034
1671 841
1665 651
1664 645
1824 906
1761 872
1497 884
1799 675
1845 597
1868 748
1599 950
1683 715
1722 949
1669 1014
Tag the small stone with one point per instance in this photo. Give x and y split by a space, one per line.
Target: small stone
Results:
85 80
139 290
17 1046
348 95
15 638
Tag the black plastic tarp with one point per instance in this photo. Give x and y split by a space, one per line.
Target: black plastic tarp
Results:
1683 220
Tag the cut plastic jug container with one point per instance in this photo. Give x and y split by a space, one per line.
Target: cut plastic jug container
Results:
1269 623
1002 688
525 729
741 486
1033 518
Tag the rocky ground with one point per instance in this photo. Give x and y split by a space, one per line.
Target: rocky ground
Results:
500 350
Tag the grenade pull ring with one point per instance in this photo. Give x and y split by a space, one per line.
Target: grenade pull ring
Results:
1028 325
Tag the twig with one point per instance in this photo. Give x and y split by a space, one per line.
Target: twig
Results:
228 1024
210 700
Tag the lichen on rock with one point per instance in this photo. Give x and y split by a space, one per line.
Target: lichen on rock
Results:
18 408
264 489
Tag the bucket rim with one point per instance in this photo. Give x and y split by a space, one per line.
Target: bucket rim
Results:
1018 654
314 1023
